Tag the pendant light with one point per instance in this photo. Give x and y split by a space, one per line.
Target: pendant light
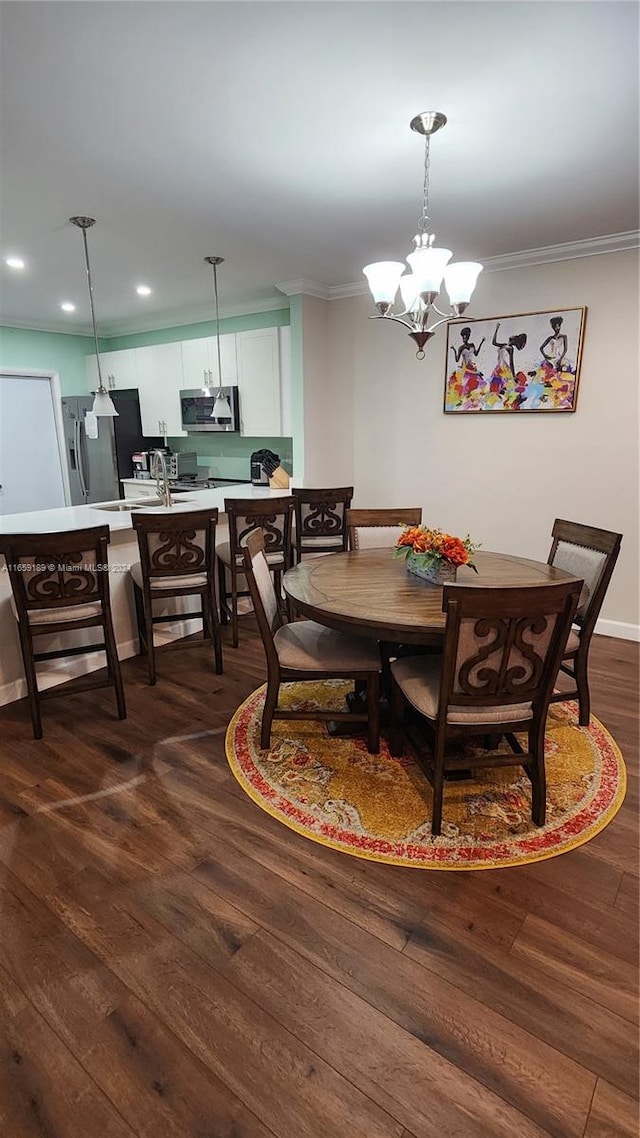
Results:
221 407
102 403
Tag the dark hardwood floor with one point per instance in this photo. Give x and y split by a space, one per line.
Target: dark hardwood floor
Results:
174 962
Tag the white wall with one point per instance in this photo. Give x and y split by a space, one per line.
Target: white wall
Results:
328 402
503 478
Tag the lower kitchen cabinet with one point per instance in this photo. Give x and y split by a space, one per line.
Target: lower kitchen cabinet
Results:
159 382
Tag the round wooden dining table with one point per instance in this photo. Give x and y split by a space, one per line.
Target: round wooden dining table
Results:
369 591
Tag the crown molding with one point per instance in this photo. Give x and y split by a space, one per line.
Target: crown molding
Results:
307 288
545 255
48 326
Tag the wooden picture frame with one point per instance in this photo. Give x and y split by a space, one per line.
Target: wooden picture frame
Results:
526 362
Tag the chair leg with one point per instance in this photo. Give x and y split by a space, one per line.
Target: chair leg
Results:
222 592
438 785
137 597
270 704
582 684
26 644
148 627
234 607
211 625
113 665
396 734
538 775
373 713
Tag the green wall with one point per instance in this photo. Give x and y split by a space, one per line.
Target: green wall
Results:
228 456
48 351
275 319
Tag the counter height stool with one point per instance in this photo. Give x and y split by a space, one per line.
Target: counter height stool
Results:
589 553
60 583
274 516
177 551
321 520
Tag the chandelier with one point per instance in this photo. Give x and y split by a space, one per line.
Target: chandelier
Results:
221 407
102 402
429 265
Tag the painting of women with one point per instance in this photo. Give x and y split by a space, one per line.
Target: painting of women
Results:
466 384
507 385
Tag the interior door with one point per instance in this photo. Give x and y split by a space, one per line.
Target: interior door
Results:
30 462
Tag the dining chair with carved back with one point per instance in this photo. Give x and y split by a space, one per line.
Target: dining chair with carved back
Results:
274 516
589 553
305 650
321 520
502 653
60 584
377 529
177 552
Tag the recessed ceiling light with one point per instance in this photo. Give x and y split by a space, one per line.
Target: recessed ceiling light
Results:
67 306
14 262
143 290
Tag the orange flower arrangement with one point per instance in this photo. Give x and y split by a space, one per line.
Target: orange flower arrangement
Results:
432 547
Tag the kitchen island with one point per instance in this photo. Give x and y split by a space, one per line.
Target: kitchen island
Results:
123 552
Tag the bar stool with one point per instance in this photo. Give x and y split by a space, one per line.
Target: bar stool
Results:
321 520
176 560
274 516
60 583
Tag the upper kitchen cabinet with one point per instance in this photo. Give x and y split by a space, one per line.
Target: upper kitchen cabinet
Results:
259 385
119 369
159 381
200 362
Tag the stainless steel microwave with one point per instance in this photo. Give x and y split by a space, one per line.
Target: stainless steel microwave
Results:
197 410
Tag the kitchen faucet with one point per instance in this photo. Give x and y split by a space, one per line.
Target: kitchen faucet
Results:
159 472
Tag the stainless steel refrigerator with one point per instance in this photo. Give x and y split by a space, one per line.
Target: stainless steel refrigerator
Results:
96 465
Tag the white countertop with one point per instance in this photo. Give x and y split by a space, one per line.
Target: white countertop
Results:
81 517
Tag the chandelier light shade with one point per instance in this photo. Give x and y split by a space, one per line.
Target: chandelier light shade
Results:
221 407
430 267
102 403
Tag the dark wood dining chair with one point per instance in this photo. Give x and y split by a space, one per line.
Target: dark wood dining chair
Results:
305 650
60 584
274 516
321 520
377 529
589 553
177 552
502 653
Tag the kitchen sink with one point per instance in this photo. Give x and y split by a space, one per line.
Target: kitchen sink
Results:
140 504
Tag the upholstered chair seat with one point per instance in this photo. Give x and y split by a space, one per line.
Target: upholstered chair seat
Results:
310 647
419 678
223 553
58 615
189 580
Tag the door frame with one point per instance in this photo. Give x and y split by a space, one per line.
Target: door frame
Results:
56 402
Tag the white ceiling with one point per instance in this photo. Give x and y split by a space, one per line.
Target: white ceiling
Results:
276 135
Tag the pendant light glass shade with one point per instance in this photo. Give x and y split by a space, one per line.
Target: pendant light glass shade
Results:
460 280
409 292
383 278
221 408
428 267
102 403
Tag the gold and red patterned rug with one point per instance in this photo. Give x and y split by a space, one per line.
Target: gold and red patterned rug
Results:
333 791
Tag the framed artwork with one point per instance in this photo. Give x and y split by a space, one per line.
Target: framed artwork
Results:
527 362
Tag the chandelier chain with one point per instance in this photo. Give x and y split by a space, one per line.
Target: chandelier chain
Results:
423 223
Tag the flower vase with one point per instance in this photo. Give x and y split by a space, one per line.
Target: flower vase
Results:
439 573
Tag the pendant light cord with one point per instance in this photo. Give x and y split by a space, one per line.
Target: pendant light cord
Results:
93 311
215 292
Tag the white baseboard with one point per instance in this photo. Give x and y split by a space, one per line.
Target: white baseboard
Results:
618 628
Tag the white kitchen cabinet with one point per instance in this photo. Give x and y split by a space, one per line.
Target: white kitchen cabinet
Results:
160 379
200 361
259 382
119 369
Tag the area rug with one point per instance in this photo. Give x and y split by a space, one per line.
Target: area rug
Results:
333 791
